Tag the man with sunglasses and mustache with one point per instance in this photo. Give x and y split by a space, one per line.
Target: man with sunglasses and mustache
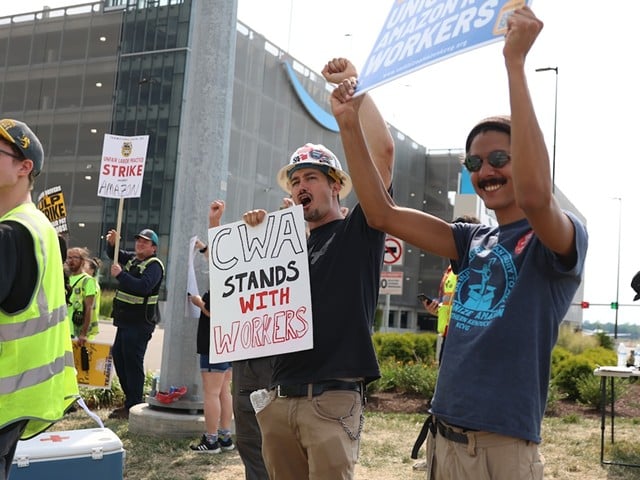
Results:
515 280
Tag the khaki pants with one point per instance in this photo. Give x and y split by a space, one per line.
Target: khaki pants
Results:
487 456
312 437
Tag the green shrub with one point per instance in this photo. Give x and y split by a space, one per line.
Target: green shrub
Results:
103 397
575 342
425 347
417 378
394 345
605 340
405 347
411 377
113 397
572 369
377 321
554 397
590 392
558 355
601 356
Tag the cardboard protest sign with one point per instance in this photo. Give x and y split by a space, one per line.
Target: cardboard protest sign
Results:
259 288
122 166
51 203
418 33
94 365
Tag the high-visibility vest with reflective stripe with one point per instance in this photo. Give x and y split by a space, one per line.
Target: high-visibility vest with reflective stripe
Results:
129 306
76 302
447 290
37 373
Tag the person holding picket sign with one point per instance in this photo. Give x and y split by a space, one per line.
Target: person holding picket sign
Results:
515 281
312 426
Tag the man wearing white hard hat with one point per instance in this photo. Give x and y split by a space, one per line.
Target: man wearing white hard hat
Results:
324 386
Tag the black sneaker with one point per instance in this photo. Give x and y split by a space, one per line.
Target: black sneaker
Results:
227 444
205 447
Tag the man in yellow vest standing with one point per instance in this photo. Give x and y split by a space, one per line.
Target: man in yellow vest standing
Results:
82 297
37 374
135 312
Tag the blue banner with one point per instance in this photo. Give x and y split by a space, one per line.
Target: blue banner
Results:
418 33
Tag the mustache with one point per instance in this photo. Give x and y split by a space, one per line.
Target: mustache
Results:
491 181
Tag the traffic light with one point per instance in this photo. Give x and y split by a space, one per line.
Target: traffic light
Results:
614 305
585 304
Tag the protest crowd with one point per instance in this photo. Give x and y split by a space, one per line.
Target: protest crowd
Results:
282 334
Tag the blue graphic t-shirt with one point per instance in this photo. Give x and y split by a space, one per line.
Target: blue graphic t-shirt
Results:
511 296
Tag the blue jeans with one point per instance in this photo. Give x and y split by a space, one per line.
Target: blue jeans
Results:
128 351
207 366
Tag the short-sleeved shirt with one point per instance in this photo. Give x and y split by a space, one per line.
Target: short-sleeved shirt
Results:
512 293
345 260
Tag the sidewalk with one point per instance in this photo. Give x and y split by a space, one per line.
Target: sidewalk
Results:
152 359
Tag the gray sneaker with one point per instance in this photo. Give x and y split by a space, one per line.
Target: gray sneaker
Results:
420 466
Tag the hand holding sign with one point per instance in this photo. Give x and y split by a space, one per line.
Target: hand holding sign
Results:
416 35
339 69
259 283
523 29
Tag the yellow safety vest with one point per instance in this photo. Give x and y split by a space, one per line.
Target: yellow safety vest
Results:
137 299
76 302
37 373
447 290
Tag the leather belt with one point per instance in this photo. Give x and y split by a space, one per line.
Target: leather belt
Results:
450 434
303 389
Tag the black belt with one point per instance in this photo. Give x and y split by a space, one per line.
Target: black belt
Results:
450 434
302 389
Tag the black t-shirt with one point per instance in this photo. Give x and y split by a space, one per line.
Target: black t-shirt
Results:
19 268
345 259
202 339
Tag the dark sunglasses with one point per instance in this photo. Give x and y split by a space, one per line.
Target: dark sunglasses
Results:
497 159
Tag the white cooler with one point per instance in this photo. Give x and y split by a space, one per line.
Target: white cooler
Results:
94 454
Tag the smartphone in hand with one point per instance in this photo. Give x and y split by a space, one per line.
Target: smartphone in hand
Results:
423 298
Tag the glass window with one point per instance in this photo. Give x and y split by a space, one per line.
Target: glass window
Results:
103 41
69 91
13 96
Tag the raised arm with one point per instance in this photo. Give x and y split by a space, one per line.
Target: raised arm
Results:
425 231
376 133
531 174
216 209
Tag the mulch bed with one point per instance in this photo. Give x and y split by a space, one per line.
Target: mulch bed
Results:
628 405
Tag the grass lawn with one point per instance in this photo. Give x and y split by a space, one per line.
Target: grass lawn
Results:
571 447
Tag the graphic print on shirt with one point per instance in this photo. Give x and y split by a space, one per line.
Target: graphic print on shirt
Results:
483 287
315 256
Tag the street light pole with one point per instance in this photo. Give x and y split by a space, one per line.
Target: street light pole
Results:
555 125
615 327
